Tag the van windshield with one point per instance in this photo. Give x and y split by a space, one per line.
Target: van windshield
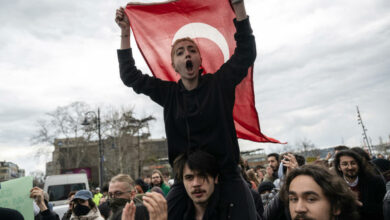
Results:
60 192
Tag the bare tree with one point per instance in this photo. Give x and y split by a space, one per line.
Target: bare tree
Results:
73 141
123 128
64 123
308 148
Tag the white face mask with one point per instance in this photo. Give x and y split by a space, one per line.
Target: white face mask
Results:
35 208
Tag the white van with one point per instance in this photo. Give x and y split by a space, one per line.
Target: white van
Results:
59 186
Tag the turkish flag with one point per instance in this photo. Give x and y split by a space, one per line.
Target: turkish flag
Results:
210 23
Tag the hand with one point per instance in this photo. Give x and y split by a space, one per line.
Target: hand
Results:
122 20
128 212
156 205
269 171
36 193
328 156
290 162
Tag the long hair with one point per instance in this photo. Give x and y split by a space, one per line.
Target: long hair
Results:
364 168
252 177
333 187
160 174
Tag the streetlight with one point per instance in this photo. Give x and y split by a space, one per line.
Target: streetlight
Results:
139 123
97 121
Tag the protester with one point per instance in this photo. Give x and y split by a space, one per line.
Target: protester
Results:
158 180
199 173
198 109
260 173
252 178
272 168
369 187
44 213
68 213
121 190
256 196
84 208
289 161
313 192
267 192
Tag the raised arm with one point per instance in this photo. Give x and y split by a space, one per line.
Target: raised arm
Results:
239 9
123 22
236 68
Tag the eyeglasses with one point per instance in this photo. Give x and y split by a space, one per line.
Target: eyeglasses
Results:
346 164
117 194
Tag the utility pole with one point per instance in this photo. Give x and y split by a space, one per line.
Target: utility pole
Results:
360 122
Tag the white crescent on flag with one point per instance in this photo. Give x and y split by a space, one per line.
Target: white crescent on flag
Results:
202 30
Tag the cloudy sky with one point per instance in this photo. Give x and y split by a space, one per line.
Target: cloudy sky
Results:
317 60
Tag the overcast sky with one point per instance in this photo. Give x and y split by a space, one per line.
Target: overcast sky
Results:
317 60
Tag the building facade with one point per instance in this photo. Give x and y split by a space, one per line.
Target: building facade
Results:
9 170
133 155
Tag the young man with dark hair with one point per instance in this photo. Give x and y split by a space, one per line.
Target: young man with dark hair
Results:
361 179
313 192
199 173
272 168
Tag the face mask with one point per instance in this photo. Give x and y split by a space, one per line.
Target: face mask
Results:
117 203
80 210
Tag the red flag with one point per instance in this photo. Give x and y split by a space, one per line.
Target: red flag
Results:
210 23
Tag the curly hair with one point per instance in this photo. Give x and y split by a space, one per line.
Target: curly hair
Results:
334 188
364 168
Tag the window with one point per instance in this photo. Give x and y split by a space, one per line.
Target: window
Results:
60 192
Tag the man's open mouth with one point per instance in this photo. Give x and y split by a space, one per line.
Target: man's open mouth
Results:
189 65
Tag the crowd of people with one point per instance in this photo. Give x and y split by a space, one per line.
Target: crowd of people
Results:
348 184
211 180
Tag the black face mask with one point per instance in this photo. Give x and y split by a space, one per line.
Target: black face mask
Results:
80 210
117 203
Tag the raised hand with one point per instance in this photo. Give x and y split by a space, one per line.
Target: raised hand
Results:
156 205
128 212
290 162
122 20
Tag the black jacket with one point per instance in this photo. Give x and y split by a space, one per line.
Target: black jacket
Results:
202 117
372 190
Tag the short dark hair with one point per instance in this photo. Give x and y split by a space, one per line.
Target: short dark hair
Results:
202 162
341 147
274 155
364 168
334 188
